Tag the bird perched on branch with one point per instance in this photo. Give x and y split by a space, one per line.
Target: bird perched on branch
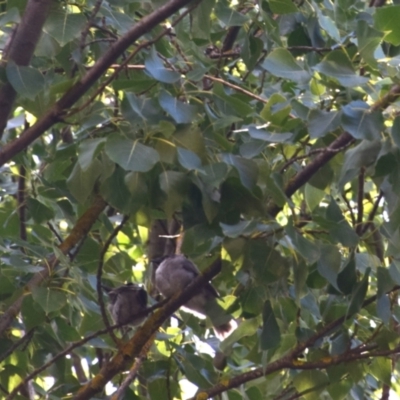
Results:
126 302
174 273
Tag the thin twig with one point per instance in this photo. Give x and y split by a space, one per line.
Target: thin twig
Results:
26 338
134 370
89 23
118 67
100 273
360 200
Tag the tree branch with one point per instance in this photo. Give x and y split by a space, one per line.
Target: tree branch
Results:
92 76
134 347
21 50
290 361
78 232
100 273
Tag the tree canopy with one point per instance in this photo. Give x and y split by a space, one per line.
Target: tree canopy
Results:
260 139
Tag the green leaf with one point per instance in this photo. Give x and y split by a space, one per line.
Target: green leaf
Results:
229 16
277 110
381 368
309 250
175 185
347 278
155 67
239 229
49 299
368 41
247 169
182 113
322 122
247 328
395 131
386 20
385 281
64 26
131 155
361 122
358 295
33 315
40 212
329 263
27 81
115 191
270 336
337 64
282 6
88 149
201 21
362 155
313 196
283 65
311 382
81 183
383 309
271 137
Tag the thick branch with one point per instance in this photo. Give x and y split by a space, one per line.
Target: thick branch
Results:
21 50
134 347
290 360
78 232
92 76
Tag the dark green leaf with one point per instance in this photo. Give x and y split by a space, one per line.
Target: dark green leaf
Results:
40 213
329 263
247 169
26 81
337 65
361 122
182 113
282 64
155 67
130 154
386 20
64 26
270 334
358 295
229 16
322 122
282 6
49 299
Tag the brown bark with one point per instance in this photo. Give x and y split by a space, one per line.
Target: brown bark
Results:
21 50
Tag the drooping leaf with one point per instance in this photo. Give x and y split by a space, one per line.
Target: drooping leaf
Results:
358 296
155 67
270 334
283 65
361 122
322 122
336 64
181 112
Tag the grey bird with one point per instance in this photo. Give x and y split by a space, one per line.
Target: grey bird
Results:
126 302
174 273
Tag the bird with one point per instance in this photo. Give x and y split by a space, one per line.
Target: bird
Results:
126 302
174 273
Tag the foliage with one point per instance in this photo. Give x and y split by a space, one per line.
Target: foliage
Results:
268 132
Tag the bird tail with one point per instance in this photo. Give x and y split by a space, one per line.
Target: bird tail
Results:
222 322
